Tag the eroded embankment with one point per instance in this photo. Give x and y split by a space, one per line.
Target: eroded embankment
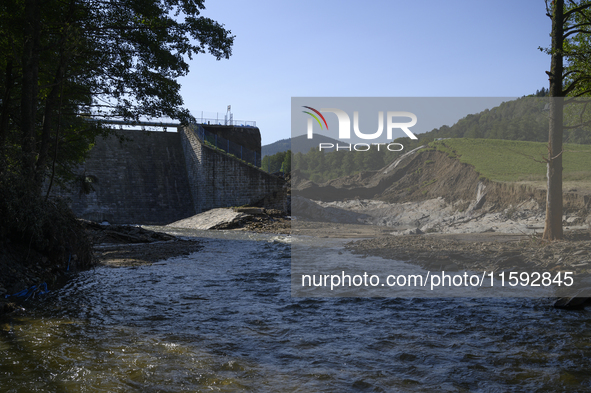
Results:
422 176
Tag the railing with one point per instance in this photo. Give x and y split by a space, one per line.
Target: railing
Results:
232 148
225 122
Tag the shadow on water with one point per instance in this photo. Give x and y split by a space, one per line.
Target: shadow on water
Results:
223 319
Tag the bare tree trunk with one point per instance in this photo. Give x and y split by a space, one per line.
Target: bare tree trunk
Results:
553 225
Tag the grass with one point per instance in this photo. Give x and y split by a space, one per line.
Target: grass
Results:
519 161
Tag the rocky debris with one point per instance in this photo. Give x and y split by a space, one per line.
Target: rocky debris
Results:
416 176
129 245
118 255
255 211
484 251
327 212
427 175
320 229
225 218
573 303
434 215
416 231
247 218
122 234
279 225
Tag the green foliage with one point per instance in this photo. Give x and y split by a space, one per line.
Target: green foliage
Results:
279 162
524 119
324 166
576 48
510 161
64 62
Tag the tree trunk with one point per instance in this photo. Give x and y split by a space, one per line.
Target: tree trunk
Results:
54 101
553 225
30 86
52 106
4 118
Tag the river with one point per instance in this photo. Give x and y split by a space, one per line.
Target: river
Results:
223 320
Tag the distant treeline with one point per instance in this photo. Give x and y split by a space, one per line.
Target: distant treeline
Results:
525 119
279 162
319 166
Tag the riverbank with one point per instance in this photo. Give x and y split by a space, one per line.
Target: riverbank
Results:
27 274
469 247
120 245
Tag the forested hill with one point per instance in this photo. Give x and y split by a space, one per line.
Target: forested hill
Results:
524 119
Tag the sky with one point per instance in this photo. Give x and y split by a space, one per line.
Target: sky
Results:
385 48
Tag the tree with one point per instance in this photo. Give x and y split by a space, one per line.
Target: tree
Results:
65 60
286 165
571 26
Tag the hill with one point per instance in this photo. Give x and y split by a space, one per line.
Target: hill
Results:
524 119
520 120
276 147
299 144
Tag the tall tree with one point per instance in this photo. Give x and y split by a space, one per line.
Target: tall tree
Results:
570 22
66 60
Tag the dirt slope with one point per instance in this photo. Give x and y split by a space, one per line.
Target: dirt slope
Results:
424 175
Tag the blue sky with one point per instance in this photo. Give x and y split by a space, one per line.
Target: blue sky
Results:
324 48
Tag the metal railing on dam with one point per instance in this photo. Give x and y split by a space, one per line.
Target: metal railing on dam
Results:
206 137
225 122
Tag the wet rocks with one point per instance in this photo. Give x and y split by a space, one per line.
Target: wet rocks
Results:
122 234
119 255
247 218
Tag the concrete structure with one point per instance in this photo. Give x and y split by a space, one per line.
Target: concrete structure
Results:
162 177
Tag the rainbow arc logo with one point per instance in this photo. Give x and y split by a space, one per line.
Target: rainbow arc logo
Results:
314 116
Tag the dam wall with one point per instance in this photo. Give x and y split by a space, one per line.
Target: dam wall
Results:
147 177
221 180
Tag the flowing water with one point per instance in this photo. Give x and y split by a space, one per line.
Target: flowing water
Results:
223 320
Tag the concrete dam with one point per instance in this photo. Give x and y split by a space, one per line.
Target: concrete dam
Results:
148 177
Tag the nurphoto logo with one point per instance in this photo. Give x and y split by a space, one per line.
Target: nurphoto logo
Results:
345 127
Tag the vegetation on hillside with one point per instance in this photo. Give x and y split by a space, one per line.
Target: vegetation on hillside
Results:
514 161
279 162
524 119
320 167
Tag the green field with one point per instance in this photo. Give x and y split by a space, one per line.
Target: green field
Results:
518 161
